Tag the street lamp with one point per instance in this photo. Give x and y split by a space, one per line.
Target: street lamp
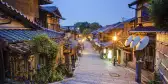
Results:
78 28
104 51
114 39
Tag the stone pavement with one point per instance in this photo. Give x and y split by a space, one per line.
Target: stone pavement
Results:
93 70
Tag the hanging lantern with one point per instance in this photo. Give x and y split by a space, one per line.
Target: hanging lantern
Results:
104 51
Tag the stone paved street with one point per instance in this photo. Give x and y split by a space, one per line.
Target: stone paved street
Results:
93 70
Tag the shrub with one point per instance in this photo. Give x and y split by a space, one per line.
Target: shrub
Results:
42 45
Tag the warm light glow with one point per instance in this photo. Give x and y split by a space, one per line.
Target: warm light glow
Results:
115 38
79 41
109 54
104 51
83 40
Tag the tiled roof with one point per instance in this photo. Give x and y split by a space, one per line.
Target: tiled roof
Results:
94 32
145 29
106 44
51 9
23 35
66 27
129 20
101 29
14 13
118 25
72 28
98 30
133 3
113 26
48 1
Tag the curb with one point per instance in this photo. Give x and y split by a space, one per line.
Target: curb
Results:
144 79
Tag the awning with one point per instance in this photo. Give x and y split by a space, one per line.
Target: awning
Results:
21 48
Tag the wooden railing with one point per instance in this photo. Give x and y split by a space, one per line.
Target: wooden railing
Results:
144 19
164 71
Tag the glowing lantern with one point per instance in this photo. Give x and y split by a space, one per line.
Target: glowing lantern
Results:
109 54
104 51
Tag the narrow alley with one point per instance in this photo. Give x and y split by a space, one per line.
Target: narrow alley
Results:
93 70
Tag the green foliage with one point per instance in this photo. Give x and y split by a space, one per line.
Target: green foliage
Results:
157 79
86 31
43 44
42 75
159 13
63 69
82 25
56 76
95 26
85 25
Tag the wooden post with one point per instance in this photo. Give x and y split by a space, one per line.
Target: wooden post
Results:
2 68
138 66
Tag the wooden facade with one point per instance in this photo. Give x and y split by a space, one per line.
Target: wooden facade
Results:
162 56
49 17
17 62
144 27
30 8
126 55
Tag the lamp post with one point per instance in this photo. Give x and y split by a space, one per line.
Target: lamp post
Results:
114 47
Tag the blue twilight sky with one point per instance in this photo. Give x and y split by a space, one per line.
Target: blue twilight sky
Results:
105 12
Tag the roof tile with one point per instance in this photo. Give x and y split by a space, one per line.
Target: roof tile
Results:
145 29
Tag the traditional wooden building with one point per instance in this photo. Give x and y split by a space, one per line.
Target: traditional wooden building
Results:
144 27
16 28
29 8
162 56
50 17
105 37
125 52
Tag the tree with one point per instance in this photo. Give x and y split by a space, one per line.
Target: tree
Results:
94 26
82 25
159 13
86 32
43 46
86 25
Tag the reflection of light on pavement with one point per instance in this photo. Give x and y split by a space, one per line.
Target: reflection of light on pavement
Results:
87 53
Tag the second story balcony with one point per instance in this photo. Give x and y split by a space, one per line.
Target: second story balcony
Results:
145 21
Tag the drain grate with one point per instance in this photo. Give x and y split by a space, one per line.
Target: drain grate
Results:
114 75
